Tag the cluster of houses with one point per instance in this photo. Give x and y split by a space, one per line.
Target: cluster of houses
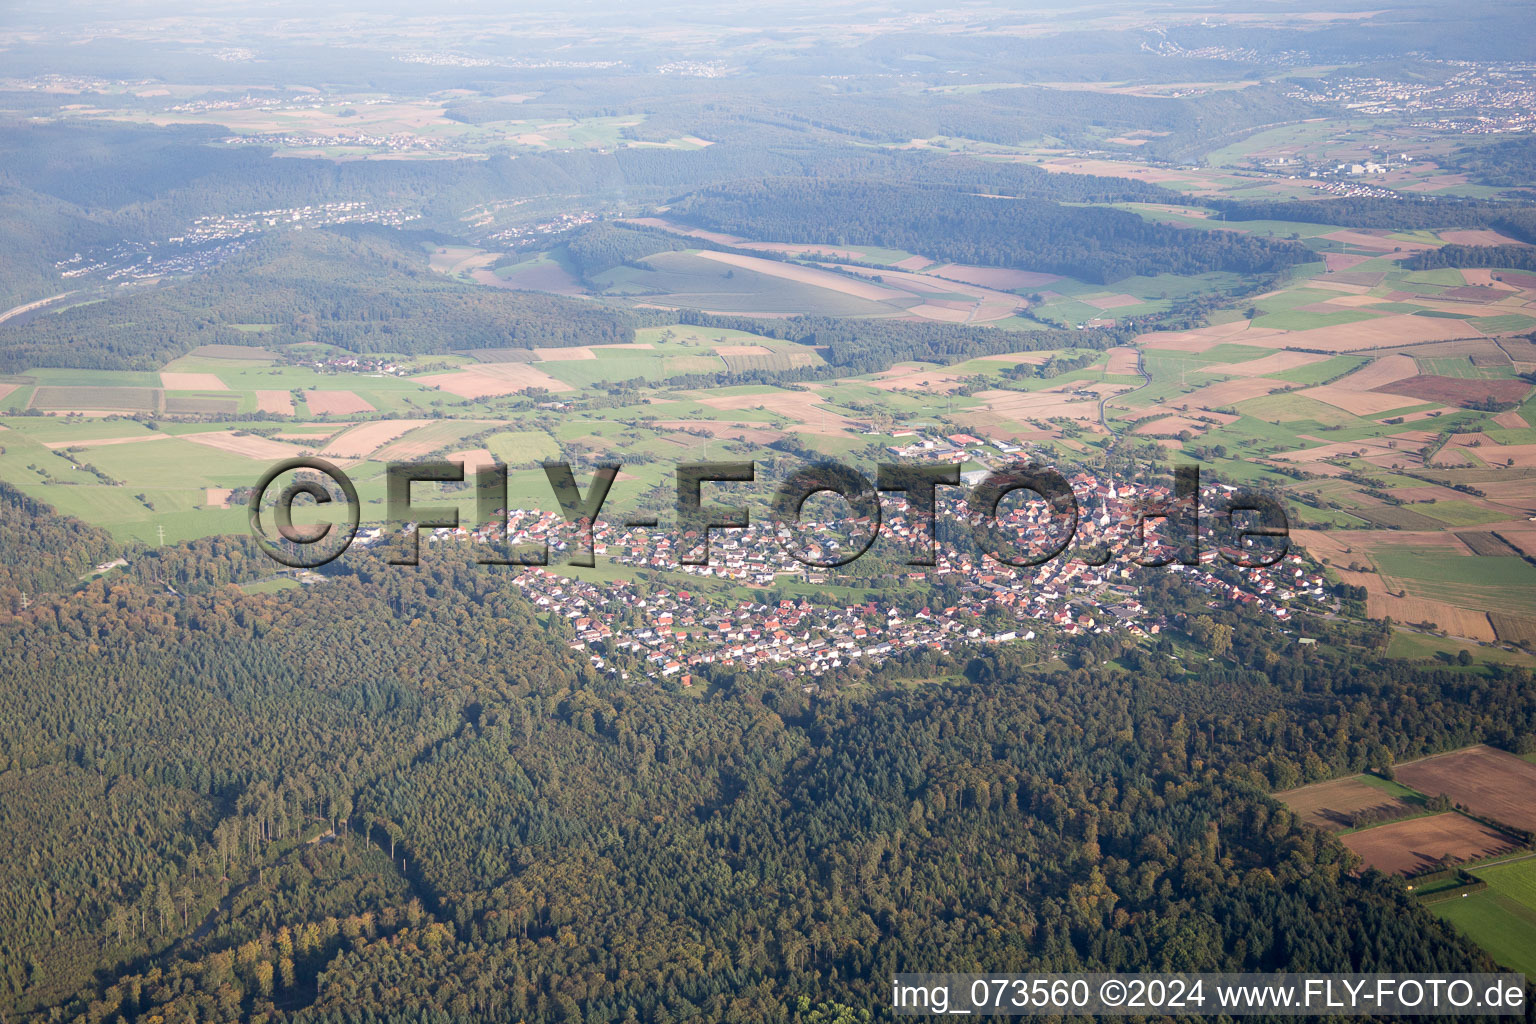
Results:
212 239
383 142
356 364
1474 97
671 629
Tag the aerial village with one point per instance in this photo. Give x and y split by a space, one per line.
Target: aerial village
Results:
672 629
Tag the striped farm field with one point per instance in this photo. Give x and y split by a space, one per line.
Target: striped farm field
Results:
1490 782
71 398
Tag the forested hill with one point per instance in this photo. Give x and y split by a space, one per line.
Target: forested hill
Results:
514 838
1507 257
358 290
42 552
1516 220
1091 243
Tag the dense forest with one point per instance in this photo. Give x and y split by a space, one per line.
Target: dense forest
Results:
355 289
1511 257
1092 243
396 796
1516 220
42 552
1506 162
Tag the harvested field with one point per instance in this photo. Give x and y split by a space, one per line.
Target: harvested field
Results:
1485 544
1380 332
252 446
1336 261
1202 338
732 430
990 277
1423 844
1478 236
340 403
806 275
1407 442
473 459
1279 362
1228 392
362 441
192 382
934 311
1514 629
806 409
1517 494
1489 782
1330 805
1016 358
913 263
1377 239
234 353
1113 301
311 435
1123 362
103 442
200 405
216 497
117 399
1459 390
1360 403
1477 293
499 355
1516 278
425 440
1522 538
1397 517
559 355
1520 350
1341 548
1368 278
1171 426
280 402
1070 401
493 379
1344 302
899 378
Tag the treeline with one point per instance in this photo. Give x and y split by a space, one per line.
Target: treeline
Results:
1091 243
1517 221
1513 257
595 248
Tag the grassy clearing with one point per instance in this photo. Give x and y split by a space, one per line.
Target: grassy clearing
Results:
1316 373
1460 513
1424 646
1293 408
1299 320
1501 918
